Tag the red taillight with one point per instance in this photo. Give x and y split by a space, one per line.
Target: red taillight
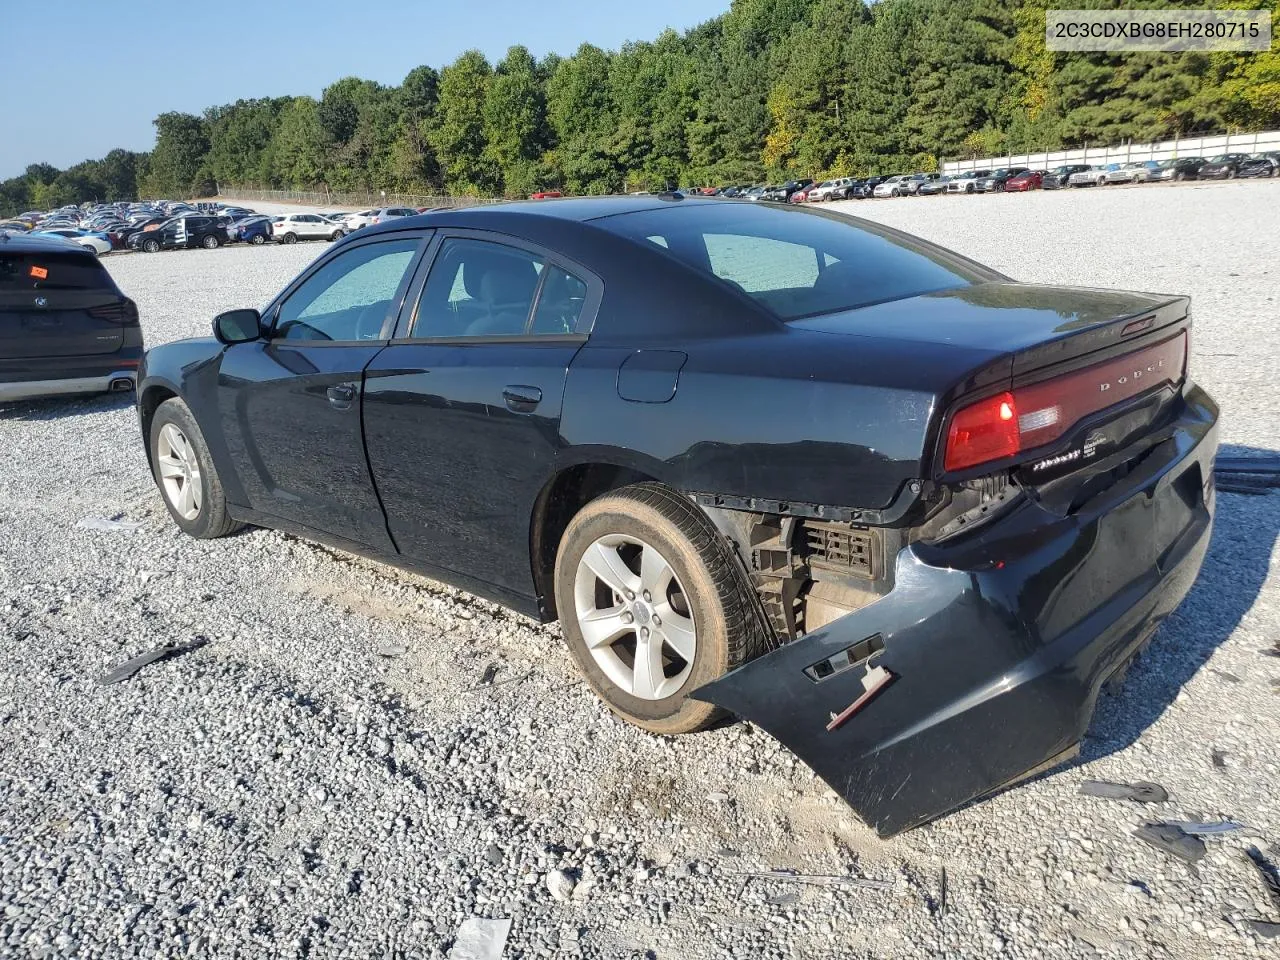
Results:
1040 413
982 431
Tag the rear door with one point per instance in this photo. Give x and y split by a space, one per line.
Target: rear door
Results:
462 411
57 304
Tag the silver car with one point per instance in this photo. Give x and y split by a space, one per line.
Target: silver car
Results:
967 182
1140 171
1093 177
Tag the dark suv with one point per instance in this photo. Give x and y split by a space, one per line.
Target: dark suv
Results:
189 230
65 327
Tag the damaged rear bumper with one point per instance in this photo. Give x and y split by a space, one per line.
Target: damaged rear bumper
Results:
997 645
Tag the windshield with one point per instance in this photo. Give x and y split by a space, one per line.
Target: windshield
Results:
796 264
1220 158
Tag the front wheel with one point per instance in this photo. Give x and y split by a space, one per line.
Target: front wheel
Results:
1231 174
653 606
337 235
185 473
151 246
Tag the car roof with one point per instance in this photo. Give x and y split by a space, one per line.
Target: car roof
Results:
38 243
578 209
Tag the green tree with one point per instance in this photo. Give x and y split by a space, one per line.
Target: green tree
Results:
515 121
458 136
178 162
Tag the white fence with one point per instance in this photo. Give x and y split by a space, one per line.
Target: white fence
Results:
1126 152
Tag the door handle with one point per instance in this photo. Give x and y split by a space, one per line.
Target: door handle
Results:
521 398
341 395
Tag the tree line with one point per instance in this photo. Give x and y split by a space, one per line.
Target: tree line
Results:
770 89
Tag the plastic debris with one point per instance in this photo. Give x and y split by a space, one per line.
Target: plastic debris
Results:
1171 839
942 895
1267 870
1265 928
392 650
130 667
1219 758
1140 790
490 672
481 939
1197 828
109 526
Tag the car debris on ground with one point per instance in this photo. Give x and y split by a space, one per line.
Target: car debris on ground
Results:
481 939
107 525
1140 791
127 669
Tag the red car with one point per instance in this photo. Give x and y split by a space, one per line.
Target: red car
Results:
800 196
1027 180
545 195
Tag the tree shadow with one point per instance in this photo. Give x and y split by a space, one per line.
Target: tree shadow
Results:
61 408
1234 572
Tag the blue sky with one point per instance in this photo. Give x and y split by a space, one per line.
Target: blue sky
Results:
97 73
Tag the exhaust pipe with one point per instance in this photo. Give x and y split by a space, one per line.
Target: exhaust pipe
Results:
120 383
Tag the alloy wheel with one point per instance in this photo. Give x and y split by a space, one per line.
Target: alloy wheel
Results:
635 617
179 471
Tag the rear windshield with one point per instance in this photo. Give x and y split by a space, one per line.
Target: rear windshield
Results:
51 271
794 263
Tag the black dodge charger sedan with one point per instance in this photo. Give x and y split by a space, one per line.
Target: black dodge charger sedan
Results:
902 512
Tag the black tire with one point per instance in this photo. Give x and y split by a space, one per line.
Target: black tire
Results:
213 520
257 239
289 238
1231 173
93 250
151 246
1177 177
999 188
723 607
337 235
210 242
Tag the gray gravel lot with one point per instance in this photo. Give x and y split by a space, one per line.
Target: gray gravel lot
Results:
288 791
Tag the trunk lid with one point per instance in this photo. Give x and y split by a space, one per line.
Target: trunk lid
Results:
59 304
1075 376
1036 326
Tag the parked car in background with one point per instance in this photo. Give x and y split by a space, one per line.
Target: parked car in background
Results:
95 243
774 193
995 181
1225 166
912 184
65 327
1180 168
383 214
967 182
799 196
821 191
1092 177
354 221
306 226
256 229
545 195
1260 165
1068 509
754 193
894 186
1058 176
934 188
1139 171
1024 181
182 232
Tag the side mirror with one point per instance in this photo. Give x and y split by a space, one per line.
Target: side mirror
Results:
237 326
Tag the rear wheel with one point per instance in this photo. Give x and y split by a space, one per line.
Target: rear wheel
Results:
289 238
653 606
1231 174
185 474
92 249
257 239
210 242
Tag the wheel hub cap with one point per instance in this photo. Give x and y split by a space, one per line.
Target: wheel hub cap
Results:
179 471
635 617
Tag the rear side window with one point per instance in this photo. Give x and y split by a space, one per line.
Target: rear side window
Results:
51 271
797 264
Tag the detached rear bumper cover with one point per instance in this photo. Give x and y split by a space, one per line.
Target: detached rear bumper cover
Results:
998 645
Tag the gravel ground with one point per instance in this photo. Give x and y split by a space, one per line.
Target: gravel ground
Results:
288 790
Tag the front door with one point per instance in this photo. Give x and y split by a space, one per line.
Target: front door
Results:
290 403
462 417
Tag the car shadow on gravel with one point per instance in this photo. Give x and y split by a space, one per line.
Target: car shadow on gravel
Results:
60 408
1234 572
